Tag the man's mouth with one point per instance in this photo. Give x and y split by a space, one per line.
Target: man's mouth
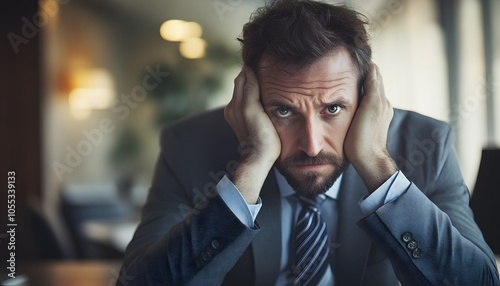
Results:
311 167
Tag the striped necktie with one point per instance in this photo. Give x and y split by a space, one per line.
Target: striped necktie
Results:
311 249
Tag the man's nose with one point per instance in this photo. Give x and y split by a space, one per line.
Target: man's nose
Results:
311 138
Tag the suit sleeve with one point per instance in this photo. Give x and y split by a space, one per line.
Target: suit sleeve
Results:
430 237
183 239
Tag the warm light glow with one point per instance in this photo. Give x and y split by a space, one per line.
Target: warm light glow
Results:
92 89
178 30
79 106
80 114
193 48
95 98
91 78
193 30
100 98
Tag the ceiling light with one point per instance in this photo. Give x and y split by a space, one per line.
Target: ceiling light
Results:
179 30
193 48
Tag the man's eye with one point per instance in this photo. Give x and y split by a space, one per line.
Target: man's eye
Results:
333 109
283 111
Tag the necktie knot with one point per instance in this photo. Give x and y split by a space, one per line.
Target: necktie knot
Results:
313 203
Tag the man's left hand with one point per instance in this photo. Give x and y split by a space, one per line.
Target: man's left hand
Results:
366 142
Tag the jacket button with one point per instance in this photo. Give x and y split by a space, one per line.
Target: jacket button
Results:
412 245
215 244
205 257
407 236
417 253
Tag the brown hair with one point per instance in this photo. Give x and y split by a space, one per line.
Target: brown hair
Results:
296 33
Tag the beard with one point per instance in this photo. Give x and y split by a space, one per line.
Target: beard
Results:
312 183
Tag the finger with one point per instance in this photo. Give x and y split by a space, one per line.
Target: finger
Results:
377 77
239 84
251 88
378 91
370 78
235 102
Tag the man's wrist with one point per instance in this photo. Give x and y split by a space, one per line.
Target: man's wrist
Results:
250 175
376 170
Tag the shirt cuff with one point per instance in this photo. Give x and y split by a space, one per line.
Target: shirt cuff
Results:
246 213
390 190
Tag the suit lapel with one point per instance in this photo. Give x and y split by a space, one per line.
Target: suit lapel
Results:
354 245
266 245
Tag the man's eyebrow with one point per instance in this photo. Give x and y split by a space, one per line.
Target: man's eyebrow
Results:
277 102
340 101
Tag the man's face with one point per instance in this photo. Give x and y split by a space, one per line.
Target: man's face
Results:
311 110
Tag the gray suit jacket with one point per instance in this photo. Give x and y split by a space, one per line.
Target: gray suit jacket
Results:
188 236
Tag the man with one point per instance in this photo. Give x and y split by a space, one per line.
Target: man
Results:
298 180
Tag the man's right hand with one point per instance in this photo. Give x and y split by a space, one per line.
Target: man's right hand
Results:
259 141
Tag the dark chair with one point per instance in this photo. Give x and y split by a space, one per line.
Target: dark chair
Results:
43 236
96 205
485 199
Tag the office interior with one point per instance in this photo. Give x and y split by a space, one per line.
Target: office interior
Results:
89 85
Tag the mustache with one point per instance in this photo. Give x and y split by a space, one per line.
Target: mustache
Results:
304 159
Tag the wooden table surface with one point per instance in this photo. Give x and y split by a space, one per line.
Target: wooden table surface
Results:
78 273
71 273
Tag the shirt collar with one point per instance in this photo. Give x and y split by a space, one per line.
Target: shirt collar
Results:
286 190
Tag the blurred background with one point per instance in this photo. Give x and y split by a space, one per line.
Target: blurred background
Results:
88 85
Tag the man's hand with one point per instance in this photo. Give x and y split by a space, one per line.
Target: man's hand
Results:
366 142
258 139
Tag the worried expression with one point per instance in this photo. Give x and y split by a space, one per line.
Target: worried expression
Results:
311 110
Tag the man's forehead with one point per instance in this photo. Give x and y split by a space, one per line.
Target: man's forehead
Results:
332 66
